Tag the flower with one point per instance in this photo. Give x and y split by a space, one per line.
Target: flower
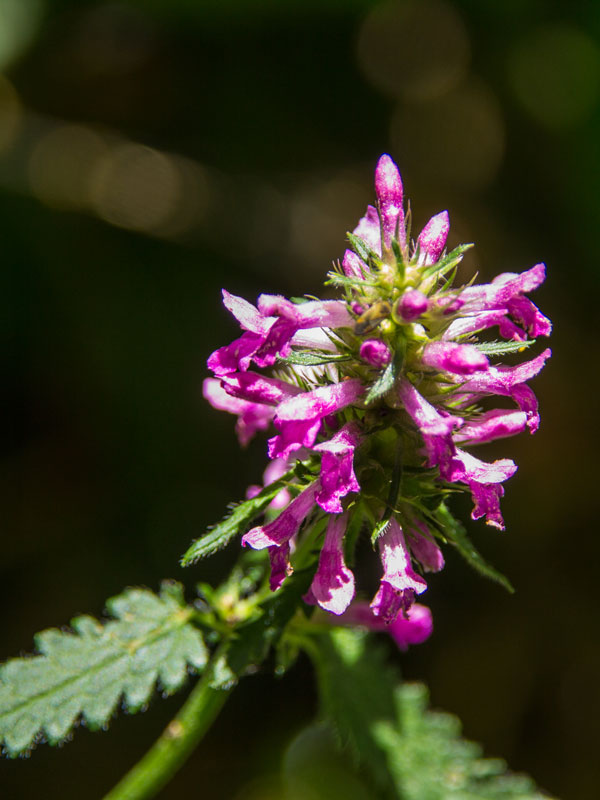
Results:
376 399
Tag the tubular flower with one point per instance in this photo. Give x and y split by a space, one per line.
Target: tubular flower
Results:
375 401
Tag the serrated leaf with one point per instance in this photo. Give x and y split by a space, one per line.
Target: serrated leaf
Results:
356 689
500 348
430 761
383 384
86 672
308 358
234 523
457 536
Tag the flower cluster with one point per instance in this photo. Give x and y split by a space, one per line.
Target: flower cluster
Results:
375 401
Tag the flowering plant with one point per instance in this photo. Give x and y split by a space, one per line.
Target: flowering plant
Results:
375 401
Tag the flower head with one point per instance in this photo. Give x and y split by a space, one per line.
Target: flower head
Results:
375 400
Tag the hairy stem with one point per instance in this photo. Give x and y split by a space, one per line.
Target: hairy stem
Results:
175 744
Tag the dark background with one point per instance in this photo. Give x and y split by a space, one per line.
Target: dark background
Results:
152 152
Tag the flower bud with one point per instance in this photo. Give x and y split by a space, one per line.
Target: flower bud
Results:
411 305
376 353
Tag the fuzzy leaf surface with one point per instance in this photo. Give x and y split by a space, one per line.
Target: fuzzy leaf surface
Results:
86 671
233 524
429 760
457 536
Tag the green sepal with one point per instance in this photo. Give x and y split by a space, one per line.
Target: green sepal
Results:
456 534
308 358
447 263
86 672
252 640
362 250
337 279
236 522
502 348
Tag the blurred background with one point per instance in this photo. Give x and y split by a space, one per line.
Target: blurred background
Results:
154 151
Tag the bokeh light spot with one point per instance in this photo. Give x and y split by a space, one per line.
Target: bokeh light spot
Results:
555 74
135 187
416 50
61 165
457 140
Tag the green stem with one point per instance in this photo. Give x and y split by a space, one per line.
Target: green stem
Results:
176 743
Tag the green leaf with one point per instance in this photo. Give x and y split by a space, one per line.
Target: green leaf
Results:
383 384
87 672
457 536
308 358
235 523
429 761
501 348
356 689
447 263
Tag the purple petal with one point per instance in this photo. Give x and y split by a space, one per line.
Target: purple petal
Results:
484 472
235 356
337 468
280 565
413 627
259 389
486 499
400 582
435 429
333 585
432 238
424 549
482 321
299 419
252 417
461 359
506 292
369 229
287 523
509 382
412 305
247 315
376 353
388 186
353 266
492 425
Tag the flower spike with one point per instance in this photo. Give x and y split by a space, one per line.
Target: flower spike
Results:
373 400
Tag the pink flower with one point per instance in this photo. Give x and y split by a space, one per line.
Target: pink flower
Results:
333 585
399 583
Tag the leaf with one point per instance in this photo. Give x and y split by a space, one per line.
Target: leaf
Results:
501 348
356 690
234 523
87 671
408 752
457 536
429 761
383 383
447 263
308 358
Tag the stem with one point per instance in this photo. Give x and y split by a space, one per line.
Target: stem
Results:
175 744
